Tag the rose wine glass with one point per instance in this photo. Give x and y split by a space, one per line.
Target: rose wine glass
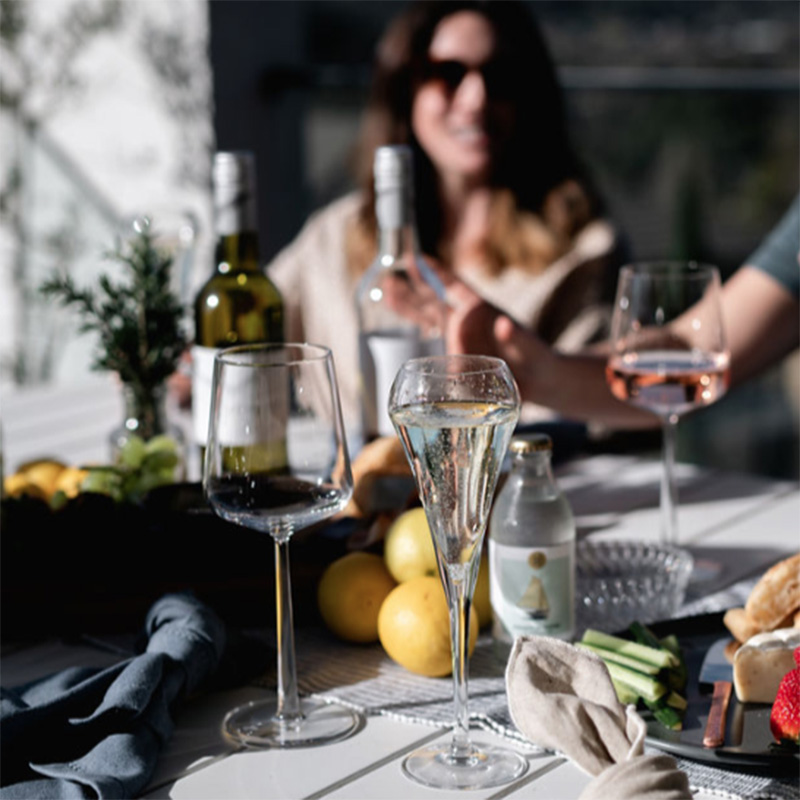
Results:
668 353
455 416
277 462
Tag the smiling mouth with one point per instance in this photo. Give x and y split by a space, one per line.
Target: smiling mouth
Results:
470 134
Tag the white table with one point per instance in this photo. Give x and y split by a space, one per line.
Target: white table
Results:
742 522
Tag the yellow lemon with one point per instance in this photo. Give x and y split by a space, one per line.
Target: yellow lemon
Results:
18 485
480 599
408 548
414 627
69 481
44 473
350 594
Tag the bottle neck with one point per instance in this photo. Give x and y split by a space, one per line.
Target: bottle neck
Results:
396 228
237 252
535 465
396 241
236 222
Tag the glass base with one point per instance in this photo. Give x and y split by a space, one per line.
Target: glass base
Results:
484 767
255 724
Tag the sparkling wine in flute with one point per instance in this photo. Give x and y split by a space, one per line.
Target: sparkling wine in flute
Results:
668 382
456 449
455 416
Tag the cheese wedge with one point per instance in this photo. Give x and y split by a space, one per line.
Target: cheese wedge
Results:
761 662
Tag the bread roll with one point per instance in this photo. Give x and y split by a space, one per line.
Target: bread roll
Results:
776 595
740 625
381 458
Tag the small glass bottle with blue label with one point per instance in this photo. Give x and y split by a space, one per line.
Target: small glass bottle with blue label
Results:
531 548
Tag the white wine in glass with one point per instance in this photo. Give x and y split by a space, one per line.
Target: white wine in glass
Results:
265 396
668 353
455 416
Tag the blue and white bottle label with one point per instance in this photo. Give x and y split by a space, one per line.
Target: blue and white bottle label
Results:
532 590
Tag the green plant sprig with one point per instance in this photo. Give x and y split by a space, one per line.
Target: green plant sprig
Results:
139 322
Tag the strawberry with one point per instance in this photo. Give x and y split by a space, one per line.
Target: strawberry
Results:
784 720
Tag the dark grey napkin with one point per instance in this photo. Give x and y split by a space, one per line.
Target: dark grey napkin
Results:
89 733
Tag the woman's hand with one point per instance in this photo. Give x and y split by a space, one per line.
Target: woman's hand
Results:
475 326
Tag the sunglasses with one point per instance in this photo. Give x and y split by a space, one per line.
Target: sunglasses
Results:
499 76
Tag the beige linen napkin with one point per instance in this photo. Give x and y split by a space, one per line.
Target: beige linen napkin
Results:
562 698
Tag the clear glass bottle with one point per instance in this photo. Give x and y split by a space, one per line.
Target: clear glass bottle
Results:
531 548
238 304
399 300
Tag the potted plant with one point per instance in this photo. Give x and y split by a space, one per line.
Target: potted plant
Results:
138 322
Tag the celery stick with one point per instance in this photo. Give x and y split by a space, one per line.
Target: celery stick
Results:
671 643
646 686
677 701
657 657
620 658
625 694
666 715
642 634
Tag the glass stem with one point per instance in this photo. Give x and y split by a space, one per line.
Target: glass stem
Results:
460 747
288 698
669 488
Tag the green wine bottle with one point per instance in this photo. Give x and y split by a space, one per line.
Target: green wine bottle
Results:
238 304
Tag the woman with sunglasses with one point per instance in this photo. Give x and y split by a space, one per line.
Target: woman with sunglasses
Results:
502 202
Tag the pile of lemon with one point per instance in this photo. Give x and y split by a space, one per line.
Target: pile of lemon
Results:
398 599
45 479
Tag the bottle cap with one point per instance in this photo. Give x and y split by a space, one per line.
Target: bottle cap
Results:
234 176
236 167
392 166
531 443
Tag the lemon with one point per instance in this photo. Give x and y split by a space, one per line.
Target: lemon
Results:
43 473
69 481
414 627
350 594
408 547
18 485
480 599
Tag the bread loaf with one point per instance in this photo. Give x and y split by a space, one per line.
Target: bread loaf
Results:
776 595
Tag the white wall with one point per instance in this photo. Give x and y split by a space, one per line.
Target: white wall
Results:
122 133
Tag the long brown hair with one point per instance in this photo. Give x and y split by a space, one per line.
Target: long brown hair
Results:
542 193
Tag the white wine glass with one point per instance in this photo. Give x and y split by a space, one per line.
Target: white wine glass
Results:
668 353
455 416
277 462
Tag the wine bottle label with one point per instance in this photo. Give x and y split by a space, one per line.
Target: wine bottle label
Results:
382 353
532 590
202 376
238 401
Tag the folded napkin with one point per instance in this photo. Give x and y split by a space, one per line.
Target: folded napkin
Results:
562 698
88 733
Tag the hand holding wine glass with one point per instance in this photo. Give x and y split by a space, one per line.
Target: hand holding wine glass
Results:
455 416
277 462
668 352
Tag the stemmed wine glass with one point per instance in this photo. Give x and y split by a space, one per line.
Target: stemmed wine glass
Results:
668 353
455 416
277 462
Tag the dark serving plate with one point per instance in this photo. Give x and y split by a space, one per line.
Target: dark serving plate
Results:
96 566
748 740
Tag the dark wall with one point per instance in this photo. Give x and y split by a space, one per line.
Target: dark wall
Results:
249 41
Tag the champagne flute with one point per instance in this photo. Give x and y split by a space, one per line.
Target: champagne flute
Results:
277 462
668 353
455 416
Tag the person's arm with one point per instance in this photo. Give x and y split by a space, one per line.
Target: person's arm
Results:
573 385
761 319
